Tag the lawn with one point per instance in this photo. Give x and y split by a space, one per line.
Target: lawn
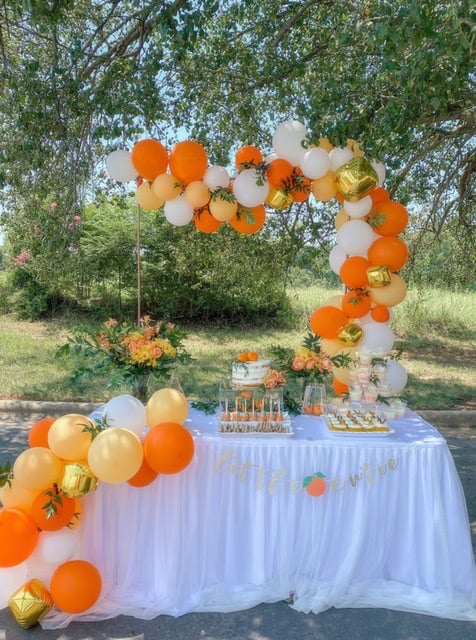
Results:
435 330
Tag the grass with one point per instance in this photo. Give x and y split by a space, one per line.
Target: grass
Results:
435 329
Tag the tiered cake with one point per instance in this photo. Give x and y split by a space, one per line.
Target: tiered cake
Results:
247 405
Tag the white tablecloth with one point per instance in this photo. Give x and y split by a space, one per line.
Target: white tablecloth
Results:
236 528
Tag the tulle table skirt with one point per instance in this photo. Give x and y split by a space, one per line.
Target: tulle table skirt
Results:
387 527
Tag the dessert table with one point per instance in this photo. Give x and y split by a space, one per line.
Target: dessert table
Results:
388 527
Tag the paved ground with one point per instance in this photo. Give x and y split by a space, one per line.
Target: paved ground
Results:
265 622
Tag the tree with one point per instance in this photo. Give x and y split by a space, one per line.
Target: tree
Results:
80 78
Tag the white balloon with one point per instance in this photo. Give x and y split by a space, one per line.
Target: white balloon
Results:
250 189
11 579
56 547
396 377
39 569
288 141
358 209
339 156
119 166
216 176
379 170
270 157
178 211
378 337
315 163
126 411
355 237
337 257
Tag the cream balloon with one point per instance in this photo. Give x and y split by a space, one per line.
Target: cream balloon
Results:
330 347
166 187
119 166
115 455
166 405
68 437
147 199
197 194
334 301
37 468
16 495
341 219
392 294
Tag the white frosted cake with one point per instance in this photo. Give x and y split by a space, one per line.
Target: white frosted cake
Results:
249 374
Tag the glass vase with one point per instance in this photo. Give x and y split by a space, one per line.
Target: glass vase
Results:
140 387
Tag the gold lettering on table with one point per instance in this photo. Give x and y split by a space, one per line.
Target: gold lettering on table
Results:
354 478
393 464
368 476
335 485
260 477
275 478
228 454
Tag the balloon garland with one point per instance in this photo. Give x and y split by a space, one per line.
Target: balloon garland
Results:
42 498
368 252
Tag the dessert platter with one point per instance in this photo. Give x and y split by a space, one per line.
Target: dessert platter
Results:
247 407
357 422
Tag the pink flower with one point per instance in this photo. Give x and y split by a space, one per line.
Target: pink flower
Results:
71 226
298 364
77 219
21 257
53 206
37 229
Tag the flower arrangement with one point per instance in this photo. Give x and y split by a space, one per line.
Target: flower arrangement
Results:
308 362
131 353
273 379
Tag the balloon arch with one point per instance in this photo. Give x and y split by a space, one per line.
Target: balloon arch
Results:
368 252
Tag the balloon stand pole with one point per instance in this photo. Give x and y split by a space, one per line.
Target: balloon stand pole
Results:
138 252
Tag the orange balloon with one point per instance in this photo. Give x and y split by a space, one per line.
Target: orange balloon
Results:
241 223
379 195
353 272
248 155
356 303
144 476
389 251
38 434
324 189
188 161
168 447
64 511
327 321
301 192
380 313
389 218
77 515
18 536
205 222
150 158
75 586
279 172
339 387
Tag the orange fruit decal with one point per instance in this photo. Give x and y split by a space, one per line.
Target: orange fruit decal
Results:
315 485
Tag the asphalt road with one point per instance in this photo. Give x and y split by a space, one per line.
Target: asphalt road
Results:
267 621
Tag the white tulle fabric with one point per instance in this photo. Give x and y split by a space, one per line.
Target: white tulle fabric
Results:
237 528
